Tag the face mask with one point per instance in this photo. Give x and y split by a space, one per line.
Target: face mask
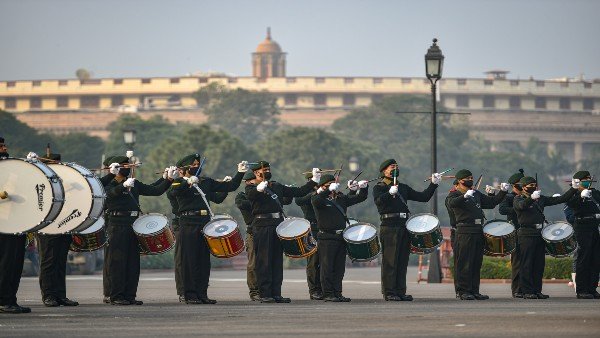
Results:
586 184
266 175
530 190
194 171
124 172
468 183
395 173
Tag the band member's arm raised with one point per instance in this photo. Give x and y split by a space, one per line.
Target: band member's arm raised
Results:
217 197
361 196
506 206
298 191
153 190
565 197
304 200
522 203
242 202
381 194
226 186
319 200
490 202
456 199
421 196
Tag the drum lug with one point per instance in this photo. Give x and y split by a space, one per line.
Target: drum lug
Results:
99 196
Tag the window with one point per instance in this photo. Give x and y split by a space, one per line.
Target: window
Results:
540 83
174 80
290 99
514 83
10 103
232 80
174 100
146 81
348 80
588 103
349 100
488 82
202 80
11 83
63 82
514 102
564 103
406 80
377 80
35 102
320 80
462 101
290 80
36 83
320 99
489 101
89 102
540 103
62 102
564 84
118 81
116 100
461 82
587 85
90 82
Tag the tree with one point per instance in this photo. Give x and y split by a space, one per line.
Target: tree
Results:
591 162
21 138
83 74
80 148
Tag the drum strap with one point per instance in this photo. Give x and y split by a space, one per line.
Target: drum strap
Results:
204 199
341 210
403 201
276 199
539 209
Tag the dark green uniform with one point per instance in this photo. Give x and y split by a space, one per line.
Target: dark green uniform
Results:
313 266
246 209
532 249
506 208
105 180
452 230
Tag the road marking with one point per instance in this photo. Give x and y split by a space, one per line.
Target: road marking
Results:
460 325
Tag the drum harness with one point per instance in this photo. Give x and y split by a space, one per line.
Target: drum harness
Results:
202 194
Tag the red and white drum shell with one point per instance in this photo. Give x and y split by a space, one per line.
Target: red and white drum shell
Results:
154 234
91 239
223 236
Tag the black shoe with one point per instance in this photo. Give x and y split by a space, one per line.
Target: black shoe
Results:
106 300
479 296
267 300
194 301
24 309
255 298
206 300
467 296
50 301
182 299
343 299
120 302
530 296
392 298
406 298
136 302
316 296
457 295
280 299
13 309
517 295
596 295
542 296
332 299
585 296
67 302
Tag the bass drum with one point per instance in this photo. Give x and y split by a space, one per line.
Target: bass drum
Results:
84 199
35 196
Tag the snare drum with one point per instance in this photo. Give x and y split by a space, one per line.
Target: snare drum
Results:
90 239
560 239
426 233
35 196
296 238
500 238
223 236
84 199
154 234
362 242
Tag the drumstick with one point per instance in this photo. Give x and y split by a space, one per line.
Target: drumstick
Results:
47 160
126 165
371 180
443 172
354 179
323 171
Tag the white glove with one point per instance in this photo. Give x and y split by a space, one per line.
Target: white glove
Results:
316 172
129 153
393 190
320 190
504 186
352 185
575 183
129 183
469 193
243 166
436 178
32 156
586 193
261 186
536 194
363 184
489 189
227 178
193 180
334 186
166 173
113 168
172 172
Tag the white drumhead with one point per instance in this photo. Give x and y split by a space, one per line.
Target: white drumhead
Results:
498 228
149 224
222 216
422 223
220 227
30 195
359 232
78 200
557 231
292 227
94 227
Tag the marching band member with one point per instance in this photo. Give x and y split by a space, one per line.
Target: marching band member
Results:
391 200
529 206
452 219
330 207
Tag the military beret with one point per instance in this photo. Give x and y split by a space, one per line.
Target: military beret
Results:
386 163
463 173
308 176
527 180
514 179
582 174
326 179
188 160
119 159
249 175
260 164
1 139
108 161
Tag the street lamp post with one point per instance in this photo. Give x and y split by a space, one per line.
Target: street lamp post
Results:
353 165
434 62
129 136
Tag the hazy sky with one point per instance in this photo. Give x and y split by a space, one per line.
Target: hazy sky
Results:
119 38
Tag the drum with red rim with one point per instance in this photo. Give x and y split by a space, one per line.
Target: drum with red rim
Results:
154 234
223 236
91 239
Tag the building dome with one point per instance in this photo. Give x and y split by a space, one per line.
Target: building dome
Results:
268 45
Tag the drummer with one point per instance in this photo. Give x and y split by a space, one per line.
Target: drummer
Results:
191 192
391 199
123 257
113 170
529 206
467 204
12 255
506 208
268 213
586 207
452 220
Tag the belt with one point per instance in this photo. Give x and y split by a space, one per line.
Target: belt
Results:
589 218
395 215
537 226
194 213
477 221
124 213
271 215
332 232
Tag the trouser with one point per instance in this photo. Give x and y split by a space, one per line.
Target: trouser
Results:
123 259
313 270
515 264
395 251
452 240
177 259
12 255
268 260
587 265
53 250
105 280
532 254
250 273
468 252
332 255
195 257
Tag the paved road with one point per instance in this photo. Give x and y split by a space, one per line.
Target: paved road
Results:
435 311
